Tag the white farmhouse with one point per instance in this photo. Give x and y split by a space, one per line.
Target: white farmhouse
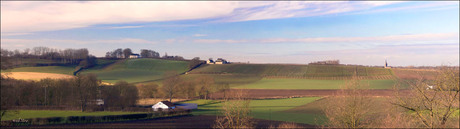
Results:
134 56
163 105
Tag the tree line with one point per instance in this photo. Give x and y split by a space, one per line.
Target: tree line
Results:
80 92
69 56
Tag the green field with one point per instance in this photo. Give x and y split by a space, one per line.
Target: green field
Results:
269 83
45 69
270 109
25 114
137 70
294 70
232 80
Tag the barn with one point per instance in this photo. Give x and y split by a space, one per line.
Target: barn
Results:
163 105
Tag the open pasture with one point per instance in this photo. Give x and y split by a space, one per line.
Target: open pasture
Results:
283 93
273 83
231 79
137 70
295 71
268 109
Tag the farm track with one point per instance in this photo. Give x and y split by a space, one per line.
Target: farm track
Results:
201 121
265 93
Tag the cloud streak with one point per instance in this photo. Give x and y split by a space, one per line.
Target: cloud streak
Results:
77 42
391 39
33 16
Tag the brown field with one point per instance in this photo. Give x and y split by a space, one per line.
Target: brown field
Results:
415 73
35 75
265 93
201 121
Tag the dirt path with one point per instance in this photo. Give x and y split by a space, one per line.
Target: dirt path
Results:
201 121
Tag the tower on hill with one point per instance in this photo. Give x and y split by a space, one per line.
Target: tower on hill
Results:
386 65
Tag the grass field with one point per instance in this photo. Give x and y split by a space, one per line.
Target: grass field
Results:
270 83
270 109
25 114
45 69
137 70
232 80
294 70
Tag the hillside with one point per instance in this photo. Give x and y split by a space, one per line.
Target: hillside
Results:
136 70
297 71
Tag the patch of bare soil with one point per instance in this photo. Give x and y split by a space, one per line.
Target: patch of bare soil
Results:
201 121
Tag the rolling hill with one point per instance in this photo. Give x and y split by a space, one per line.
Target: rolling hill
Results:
297 71
136 70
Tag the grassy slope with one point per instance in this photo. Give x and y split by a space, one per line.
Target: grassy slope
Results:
265 109
311 84
137 70
25 114
294 70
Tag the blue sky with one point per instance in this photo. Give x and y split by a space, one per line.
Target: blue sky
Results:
416 33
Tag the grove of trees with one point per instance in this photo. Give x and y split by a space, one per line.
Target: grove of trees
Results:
78 92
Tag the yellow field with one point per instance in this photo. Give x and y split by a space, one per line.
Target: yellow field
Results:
35 75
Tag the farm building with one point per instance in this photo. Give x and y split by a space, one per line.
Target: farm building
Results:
386 65
218 61
134 56
326 62
210 61
221 61
163 105
188 106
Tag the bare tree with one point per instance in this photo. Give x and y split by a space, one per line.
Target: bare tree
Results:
433 102
349 107
86 89
127 52
235 111
171 83
205 86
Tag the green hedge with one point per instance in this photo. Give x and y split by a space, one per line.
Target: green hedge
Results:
92 119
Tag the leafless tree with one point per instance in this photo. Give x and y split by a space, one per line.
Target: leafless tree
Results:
433 102
349 107
235 111
171 83
86 89
205 86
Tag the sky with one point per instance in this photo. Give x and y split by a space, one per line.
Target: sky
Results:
405 33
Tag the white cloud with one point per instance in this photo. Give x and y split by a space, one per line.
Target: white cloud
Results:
31 16
52 15
8 42
391 39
